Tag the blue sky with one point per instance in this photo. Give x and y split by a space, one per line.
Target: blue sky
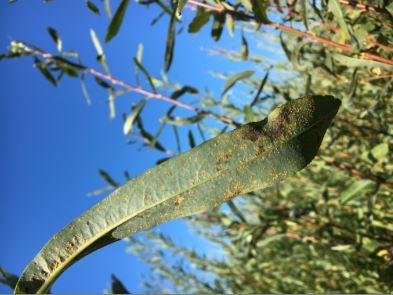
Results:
53 143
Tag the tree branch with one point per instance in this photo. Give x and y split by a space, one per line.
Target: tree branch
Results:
343 47
140 90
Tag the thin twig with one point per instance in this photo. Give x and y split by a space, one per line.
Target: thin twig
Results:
140 90
369 37
344 47
354 171
377 78
210 7
361 6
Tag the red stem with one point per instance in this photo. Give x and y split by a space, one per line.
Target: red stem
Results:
140 90
344 47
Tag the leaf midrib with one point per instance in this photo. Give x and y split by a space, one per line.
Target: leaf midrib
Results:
57 272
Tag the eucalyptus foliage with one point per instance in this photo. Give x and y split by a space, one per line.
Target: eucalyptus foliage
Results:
326 229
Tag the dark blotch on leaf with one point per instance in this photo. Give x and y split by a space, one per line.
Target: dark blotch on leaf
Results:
255 130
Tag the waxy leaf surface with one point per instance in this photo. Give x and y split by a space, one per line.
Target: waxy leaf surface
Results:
251 157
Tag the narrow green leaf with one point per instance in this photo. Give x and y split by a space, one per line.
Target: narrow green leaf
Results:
218 25
164 7
139 56
162 160
248 114
308 90
201 132
84 90
335 8
108 8
303 4
157 18
235 78
389 8
146 73
201 19
93 8
386 226
117 20
102 83
191 139
236 211
184 90
247 5
162 126
380 151
296 55
149 138
180 121
357 62
170 42
118 287
158 133
56 38
129 122
108 178
356 190
246 159
8 278
179 8
177 137
342 248
45 72
260 89
100 51
354 84
244 47
112 109
259 8
96 42
65 63
285 47
230 25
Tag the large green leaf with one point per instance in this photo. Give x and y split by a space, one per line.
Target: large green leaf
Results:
251 157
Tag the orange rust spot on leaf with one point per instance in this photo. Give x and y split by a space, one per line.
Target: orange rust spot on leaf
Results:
180 200
70 245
